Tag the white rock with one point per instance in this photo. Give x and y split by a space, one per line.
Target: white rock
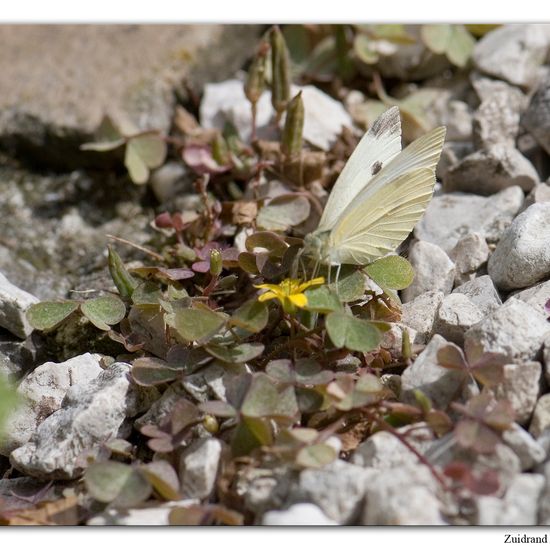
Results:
384 451
515 329
452 153
490 170
522 256
513 53
298 514
539 193
419 314
207 383
469 254
456 314
226 101
521 387
91 413
536 118
497 118
519 505
529 451
264 489
453 215
541 416
338 489
441 385
486 88
161 409
392 340
546 359
536 296
152 516
42 392
433 270
198 466
482 293
402 496
14 302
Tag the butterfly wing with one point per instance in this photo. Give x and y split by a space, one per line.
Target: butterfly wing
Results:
421 153
378 147
378 226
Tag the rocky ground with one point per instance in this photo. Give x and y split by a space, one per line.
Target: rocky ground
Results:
481 255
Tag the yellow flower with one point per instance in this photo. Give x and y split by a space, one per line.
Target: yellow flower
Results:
289 292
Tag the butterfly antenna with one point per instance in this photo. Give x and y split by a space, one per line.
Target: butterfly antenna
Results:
338 279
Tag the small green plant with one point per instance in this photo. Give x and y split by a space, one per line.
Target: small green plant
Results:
231 289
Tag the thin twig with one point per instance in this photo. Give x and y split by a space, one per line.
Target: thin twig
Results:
138 246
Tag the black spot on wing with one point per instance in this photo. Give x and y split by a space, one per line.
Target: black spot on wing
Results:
387 123
376 167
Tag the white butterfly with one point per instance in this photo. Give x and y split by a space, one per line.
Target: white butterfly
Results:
379 196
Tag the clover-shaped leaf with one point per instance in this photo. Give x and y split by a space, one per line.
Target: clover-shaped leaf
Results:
163 478
391 272
48 315
283 212
352 333
116 483
322 300
452 40
143 153
198 324
104 311
252 316
236 354
152 371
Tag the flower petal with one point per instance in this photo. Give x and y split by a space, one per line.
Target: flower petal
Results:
299 300
269 295
312 282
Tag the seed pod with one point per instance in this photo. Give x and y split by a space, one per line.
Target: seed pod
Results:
280 81
255 82
124 282
220 150
291 143
215 262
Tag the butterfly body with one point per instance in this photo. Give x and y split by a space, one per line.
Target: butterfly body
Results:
379 196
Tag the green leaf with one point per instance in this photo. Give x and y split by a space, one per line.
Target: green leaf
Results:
362 46
48 315
198 324
117 483
236 354
352 333
251 316
250 434
267 399
218 408
147 293
162 476
151 371
267 240
452 40
350 285
104 311
124 282
143 153
316 456
283 212
322 300
394 272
